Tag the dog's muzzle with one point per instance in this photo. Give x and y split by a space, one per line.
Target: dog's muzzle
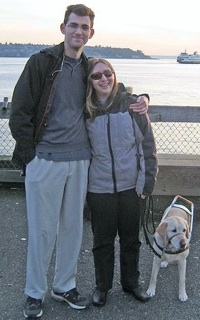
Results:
183 244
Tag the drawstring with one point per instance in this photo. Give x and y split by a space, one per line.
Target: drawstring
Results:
61 67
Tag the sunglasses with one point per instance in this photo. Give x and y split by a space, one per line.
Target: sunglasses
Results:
98 75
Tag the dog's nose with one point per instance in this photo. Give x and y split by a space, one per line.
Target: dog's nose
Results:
182 244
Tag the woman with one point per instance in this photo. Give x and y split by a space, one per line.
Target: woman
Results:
123 169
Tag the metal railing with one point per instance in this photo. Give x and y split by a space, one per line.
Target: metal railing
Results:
176 130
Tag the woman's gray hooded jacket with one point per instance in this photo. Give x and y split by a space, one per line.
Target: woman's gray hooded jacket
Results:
123 149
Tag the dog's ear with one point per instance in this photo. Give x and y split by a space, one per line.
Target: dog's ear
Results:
161 229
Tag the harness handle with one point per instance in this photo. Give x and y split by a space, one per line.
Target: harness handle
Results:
190 212
183 199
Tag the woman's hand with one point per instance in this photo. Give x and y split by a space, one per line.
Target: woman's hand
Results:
142 196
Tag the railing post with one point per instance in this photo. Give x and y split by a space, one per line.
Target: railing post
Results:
5 104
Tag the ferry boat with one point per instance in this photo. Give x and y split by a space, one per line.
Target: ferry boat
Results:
184 57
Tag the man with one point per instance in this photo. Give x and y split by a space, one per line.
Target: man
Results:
47 123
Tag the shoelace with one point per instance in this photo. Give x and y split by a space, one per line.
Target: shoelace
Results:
34 302
74 293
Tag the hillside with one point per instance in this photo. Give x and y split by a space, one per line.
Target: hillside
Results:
26 50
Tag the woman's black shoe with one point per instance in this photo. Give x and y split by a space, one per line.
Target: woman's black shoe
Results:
138 294
99 298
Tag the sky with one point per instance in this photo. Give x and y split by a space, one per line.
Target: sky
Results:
157 27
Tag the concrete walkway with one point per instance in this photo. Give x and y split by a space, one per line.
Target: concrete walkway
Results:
165 305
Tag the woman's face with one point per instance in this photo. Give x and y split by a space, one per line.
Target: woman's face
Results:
102 80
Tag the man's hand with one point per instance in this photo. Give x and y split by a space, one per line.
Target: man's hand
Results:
141 105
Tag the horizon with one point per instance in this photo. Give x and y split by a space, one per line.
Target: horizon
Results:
154 27
46 44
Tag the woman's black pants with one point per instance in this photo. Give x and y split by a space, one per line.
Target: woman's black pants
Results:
113 214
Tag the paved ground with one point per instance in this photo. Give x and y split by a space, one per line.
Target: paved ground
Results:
165 305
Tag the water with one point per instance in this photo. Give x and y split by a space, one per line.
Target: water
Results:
10 70
166 81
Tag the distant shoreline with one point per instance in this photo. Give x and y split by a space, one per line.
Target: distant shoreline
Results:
154 57
17 50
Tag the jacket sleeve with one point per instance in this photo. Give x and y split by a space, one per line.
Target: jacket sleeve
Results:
148 164
25 100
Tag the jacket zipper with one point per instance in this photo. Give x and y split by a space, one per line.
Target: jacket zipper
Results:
43 121
111 154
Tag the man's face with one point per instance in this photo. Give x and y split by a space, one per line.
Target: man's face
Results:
77 31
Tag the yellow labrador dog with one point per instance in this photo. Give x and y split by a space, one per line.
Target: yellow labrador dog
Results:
171 244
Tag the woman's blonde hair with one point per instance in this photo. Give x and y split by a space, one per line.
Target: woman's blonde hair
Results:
91 100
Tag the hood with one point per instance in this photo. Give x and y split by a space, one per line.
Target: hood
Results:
58 50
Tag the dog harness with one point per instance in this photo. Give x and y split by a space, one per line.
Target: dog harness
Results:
184 208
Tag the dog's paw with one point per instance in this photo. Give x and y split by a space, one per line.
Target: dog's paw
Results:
183 297
164 264
151 292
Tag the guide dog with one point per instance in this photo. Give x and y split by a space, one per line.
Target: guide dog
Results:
171 244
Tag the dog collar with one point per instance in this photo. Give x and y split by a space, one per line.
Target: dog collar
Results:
176 252
164 250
